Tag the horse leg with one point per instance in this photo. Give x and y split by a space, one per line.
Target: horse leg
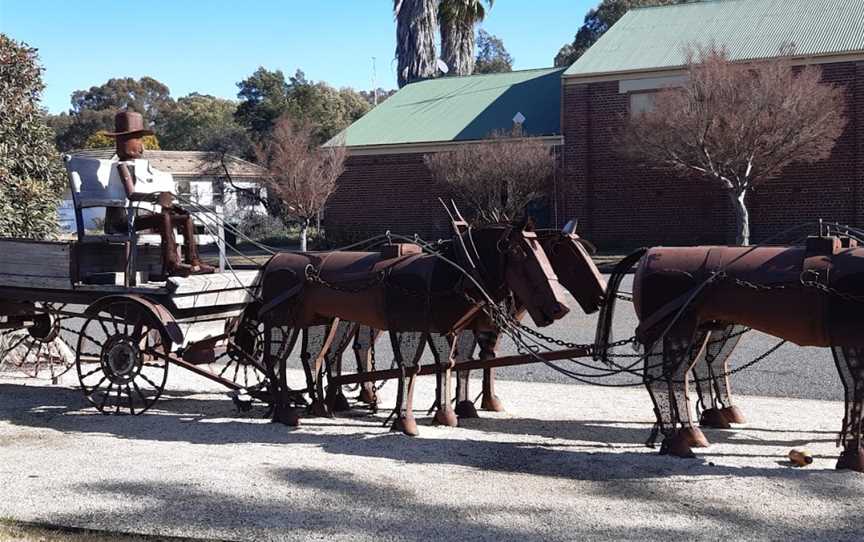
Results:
442 350
466 342
719 347
668 388
314 340
342 335
850 365
364 343
407 348
283 411
488 342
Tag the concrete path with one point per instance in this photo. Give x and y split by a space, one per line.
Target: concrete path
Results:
566 463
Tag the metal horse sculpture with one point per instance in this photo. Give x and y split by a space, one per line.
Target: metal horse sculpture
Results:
419 298
577 274
810 295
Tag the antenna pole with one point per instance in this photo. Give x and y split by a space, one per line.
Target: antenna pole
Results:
374 84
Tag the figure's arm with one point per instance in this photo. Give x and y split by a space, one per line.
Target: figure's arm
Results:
129 185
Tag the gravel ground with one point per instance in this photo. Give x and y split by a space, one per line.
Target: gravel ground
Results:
565 463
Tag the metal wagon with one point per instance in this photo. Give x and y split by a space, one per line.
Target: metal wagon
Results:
67 304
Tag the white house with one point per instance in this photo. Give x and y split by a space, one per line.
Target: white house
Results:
200 177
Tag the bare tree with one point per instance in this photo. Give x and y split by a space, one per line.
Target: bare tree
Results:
415 39
498 177
738 124
301 174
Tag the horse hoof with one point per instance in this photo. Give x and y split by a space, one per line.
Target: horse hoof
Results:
695 437
677 445
733 414
466 409
714 418
491 403
286 417
407 426
852 458
340 404
446 417
368 397
319 409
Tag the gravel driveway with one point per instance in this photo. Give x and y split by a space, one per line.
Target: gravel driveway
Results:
566 463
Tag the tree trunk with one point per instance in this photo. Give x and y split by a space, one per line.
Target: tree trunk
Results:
457 47
742 217
304 229
416 22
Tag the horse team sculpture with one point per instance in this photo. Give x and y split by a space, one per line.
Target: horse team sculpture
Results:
693 305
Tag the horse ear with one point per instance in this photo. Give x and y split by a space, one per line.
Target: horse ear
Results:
530 225
570 227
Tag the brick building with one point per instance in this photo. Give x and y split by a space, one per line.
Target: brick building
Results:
386 185
619 204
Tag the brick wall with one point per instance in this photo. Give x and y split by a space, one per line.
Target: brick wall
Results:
620 204
392 192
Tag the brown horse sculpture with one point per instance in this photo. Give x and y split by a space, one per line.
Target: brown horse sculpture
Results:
810 295
419 298
576 272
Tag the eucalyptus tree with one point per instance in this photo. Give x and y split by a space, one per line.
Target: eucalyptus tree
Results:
415 39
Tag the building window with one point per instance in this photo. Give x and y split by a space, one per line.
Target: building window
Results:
641 102
248 197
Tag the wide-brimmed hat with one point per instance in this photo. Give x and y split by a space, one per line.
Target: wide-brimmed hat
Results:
129 123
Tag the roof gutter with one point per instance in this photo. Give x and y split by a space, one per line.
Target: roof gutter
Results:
435 146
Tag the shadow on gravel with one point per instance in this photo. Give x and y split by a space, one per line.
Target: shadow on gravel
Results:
200 421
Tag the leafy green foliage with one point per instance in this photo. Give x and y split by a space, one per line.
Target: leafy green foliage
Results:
597 21
100 140
200 122
93 109
30 167
266 96
492 56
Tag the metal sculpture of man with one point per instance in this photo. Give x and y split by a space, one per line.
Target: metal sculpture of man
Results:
145 184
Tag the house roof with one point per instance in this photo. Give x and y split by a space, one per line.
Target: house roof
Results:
657 37
187 163
462 108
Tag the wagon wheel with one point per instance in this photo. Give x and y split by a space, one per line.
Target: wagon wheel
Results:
42 350
122 358
242 359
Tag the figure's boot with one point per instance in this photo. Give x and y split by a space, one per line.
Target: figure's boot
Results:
197 267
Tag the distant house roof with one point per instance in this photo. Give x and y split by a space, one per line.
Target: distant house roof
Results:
187 163
451 109
657 37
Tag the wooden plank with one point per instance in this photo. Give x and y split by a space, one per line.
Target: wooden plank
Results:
217 281
35 264
95 258
212 299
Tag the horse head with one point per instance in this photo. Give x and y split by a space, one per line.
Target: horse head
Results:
571 260
511 258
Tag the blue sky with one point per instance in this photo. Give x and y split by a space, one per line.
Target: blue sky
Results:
207 46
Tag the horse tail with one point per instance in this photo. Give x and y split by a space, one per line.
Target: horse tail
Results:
607 310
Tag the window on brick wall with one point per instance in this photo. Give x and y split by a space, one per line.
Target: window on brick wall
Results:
641 102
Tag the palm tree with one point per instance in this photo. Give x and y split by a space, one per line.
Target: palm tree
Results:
457 19
415 39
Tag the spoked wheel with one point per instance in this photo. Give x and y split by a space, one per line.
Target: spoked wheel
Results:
242 359
122 358
42 350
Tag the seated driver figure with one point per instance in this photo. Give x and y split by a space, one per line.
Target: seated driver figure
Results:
143 183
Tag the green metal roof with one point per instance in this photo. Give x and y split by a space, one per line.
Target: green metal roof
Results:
657 37
462 108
